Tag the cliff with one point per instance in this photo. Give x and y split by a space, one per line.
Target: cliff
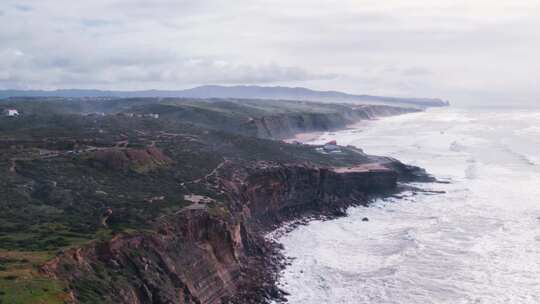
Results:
216 252
170 208
287 125
272 119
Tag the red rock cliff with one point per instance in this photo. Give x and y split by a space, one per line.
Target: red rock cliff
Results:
217 253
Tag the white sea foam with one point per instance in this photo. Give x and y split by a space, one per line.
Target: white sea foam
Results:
478 243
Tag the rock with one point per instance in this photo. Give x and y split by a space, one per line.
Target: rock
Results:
204 256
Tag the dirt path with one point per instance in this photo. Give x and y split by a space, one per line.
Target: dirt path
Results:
223 163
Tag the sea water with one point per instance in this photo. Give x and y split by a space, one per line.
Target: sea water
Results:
479 242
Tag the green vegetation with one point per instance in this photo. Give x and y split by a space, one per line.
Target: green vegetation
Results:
64 171
20 282
68 179
39 290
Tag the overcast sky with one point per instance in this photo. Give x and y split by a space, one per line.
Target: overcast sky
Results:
466 51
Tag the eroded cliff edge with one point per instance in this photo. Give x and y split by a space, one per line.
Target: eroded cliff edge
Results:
215 252
287 125
167 201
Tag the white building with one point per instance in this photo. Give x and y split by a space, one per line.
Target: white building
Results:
11 112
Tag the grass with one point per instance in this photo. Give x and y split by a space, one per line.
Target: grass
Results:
21 283
42 237
57 203
32 291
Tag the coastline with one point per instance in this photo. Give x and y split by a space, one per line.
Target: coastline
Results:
400 248
308 137
304 137
224 254
278 256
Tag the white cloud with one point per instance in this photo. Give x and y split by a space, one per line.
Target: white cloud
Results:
392 47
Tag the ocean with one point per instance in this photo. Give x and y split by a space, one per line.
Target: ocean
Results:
479 242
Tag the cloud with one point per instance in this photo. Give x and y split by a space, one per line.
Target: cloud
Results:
393 47
415 71
23 8
96 22
138 69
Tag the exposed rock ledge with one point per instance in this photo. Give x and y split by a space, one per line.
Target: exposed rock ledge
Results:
218 253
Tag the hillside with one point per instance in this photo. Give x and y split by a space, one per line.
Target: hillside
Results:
276 119
123 207
245 92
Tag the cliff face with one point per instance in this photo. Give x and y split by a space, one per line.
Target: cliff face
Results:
215 253
276 193
168 208
287 125
194 258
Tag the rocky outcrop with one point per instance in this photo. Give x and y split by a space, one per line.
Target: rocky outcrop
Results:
193 258
217 253
287 125
275 193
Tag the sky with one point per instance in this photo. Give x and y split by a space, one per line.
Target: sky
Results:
475 51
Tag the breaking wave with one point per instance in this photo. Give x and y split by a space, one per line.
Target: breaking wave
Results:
479 242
